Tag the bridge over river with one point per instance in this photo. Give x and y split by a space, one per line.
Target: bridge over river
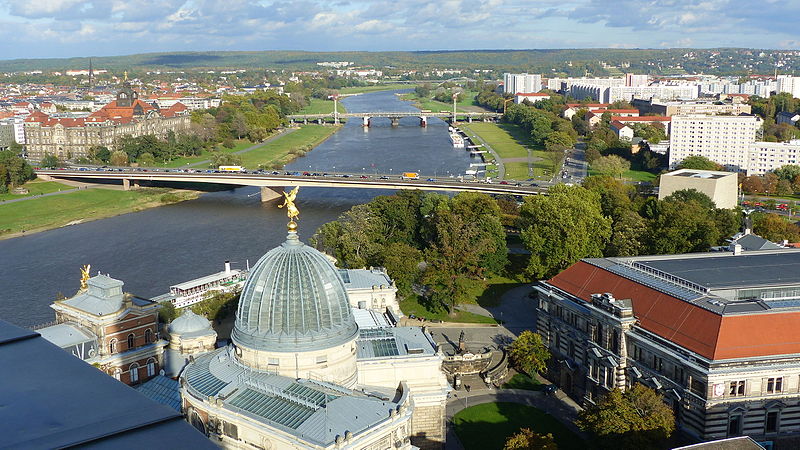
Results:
270 183
395 117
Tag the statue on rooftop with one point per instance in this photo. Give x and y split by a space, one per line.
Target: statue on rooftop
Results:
85 275
291 209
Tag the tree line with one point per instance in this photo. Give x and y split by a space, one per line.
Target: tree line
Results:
14 170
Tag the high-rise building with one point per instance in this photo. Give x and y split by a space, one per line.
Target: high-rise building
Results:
524 83
723 139
789 84
635 80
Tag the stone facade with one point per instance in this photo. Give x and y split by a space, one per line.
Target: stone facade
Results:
71 138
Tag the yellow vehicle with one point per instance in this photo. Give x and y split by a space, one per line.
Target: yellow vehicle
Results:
410 176
231 168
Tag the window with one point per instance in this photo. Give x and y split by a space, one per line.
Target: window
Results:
736 388
774 385
230 430
677 374
134 372
771 422
658 363
595 371
131 341
599 336
148 336
322 359
117 373
273 361
609 377
615 342
151 367
112 346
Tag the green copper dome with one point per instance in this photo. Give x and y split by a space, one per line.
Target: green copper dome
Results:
293 300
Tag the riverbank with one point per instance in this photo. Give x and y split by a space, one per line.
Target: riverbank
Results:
320 106
283 150
46 213
467 103
519 157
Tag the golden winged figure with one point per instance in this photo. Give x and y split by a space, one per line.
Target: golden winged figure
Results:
288 202
85 275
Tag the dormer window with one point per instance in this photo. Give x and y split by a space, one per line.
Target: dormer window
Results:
123 95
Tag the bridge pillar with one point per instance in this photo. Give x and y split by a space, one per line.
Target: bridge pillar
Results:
395 121
126 184
268 194
469 119
320 121
305 120
365 121
423 121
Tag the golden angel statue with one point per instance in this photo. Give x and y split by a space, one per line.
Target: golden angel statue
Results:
288 202
85 275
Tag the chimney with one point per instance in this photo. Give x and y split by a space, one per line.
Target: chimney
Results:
737 249
227 267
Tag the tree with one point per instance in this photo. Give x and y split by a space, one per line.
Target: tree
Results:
627 234
525 439
788 172
680 227
561 228
685 195
558 141
775 228
50 161
100 153
637 418
554 160
146 160
753 185
698 162
224 159
402 263
611 165
528 353
118 158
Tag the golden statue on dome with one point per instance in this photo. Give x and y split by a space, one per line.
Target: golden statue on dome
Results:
85 275
291 209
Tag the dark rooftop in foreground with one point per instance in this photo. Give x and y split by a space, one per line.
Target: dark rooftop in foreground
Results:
721 271
51 399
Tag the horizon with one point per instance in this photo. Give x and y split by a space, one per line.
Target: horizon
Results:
79 28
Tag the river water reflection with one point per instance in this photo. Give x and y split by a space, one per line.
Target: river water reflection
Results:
152 249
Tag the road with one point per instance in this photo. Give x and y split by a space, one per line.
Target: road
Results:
575 164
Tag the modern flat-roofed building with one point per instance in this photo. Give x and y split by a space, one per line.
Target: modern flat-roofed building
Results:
767 156
721 187
711 107
722 139
521 82
715 333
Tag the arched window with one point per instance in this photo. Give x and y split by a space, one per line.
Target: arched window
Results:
112 346
148 336
131 341
197 422
151 367
133 370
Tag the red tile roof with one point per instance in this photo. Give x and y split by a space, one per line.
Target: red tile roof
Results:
642 119
704 332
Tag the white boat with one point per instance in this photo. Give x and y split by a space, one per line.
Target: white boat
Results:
457 140
190 292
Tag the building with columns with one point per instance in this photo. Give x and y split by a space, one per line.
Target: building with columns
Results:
714 333
300 372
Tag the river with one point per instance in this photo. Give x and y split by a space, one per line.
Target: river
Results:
153 249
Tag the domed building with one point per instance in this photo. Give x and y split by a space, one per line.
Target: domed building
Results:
189 335
301 373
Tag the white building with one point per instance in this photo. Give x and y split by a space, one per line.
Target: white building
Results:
532 97
521 82
191 103
723 139
636 80
17 125
370 289
302 372
789 84
622 131
766 156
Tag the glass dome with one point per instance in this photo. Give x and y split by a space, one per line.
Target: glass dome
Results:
293 300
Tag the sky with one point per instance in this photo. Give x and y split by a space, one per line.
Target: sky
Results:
66 28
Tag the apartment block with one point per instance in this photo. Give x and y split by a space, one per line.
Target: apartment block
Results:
723 139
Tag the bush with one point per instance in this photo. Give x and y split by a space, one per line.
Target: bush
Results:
228 143
170 198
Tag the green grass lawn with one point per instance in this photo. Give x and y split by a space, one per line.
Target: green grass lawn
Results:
411 305
522 381
487 426
89 204
184 161
632 175
502 141
320 106
497 286
37 187
277 151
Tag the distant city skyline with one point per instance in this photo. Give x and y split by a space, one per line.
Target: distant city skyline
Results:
66 28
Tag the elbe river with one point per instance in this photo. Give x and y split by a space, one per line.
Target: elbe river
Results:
153 249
